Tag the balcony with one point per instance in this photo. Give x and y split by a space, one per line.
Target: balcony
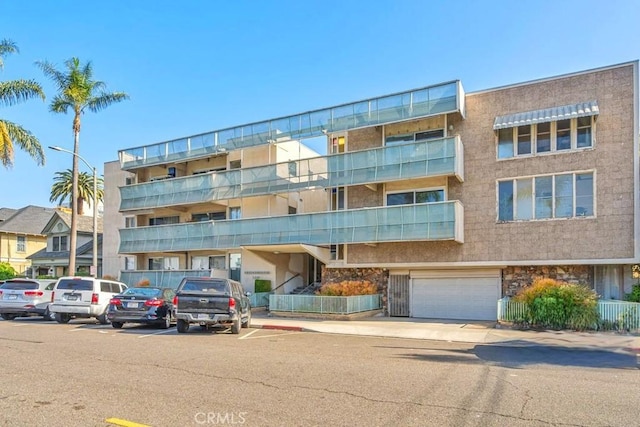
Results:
428 221
429 158
429 101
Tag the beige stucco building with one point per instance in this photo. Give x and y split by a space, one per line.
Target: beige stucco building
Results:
447 200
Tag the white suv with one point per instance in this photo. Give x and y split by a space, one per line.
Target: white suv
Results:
83 297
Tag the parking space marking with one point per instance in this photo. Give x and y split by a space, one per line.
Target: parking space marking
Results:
155 333
248 335
276 335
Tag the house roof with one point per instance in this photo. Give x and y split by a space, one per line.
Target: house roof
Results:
85 223
84 250
28 220
6 213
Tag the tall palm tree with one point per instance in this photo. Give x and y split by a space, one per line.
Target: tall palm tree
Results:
78 92
11 134
62 188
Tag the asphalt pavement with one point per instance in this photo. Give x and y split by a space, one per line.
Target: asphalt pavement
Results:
452 331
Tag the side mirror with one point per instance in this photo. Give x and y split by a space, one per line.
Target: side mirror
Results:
248 294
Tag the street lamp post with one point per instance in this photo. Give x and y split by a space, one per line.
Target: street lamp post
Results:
94 261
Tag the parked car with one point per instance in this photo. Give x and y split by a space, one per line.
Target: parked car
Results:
25 297
211 302
83 297
142 305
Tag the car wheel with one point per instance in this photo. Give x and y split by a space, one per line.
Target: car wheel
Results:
247 323
103 319
117 325
8 316
62 318
182 326
166 323
48 315
235 326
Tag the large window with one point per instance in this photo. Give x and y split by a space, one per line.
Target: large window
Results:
21 244
164 263
566 195
413 137
59 243
558 136
413 197
164 220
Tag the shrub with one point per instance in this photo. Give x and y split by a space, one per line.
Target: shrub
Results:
6 271
348 288
634 296
143 283
262 285
558 305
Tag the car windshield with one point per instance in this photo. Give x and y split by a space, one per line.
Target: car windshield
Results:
75 284
143 292
19 285
215 286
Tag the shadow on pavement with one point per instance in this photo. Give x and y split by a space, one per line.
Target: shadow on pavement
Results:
519 354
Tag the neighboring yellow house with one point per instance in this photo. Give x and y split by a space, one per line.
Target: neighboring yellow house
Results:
21 235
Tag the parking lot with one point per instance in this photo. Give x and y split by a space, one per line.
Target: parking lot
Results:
83 373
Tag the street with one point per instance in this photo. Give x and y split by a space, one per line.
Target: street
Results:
86 374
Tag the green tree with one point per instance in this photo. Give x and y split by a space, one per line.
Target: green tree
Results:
11 134
6 271
77 92
62 188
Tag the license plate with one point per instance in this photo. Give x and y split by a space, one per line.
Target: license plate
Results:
133 305
203 316
72 297
12 296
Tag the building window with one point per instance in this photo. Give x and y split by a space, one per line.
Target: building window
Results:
21 244
566 195
559 136
129 263
164 220
208 216
130 222
235 213
413 197
235 164
164 263
59 243
413 137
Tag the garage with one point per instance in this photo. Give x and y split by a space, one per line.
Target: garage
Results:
469 298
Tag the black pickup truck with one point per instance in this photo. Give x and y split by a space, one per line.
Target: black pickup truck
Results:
211 302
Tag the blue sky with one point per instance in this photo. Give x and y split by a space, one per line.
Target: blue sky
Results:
197 66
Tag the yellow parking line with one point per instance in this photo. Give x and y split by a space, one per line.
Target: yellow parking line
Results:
124 423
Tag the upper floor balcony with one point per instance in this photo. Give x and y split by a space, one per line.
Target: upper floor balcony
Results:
428 158
426 221
428 101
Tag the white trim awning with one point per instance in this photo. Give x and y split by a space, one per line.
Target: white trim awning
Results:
582 109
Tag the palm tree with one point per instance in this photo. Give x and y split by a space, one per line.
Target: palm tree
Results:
78 92
11 134
62 188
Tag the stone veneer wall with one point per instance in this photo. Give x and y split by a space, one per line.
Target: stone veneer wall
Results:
516 278
377 276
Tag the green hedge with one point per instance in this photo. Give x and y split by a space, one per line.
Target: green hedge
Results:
262 285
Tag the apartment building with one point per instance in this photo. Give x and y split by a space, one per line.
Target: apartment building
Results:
446 200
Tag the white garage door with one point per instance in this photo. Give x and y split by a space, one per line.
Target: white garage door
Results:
455 298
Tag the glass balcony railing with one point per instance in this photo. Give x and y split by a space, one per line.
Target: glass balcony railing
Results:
427 158
429 101
428 221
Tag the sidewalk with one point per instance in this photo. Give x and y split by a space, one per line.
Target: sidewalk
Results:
453 331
